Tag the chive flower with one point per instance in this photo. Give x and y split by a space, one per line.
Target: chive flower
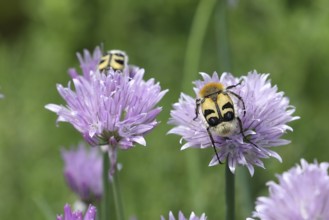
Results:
109 108
83 170
264 119
77 215
301 193
182 217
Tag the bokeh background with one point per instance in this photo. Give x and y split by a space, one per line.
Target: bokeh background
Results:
38 43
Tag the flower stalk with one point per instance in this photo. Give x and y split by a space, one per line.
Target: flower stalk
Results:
106 188
229 193
221 30
117 195
195 41
112 207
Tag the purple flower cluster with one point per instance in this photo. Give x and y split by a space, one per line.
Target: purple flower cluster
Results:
302 193
265 121
83 172
69 215
111 108
182 217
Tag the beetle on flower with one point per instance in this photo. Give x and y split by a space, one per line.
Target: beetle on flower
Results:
263 114
109 107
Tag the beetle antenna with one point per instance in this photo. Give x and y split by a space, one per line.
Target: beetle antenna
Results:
235 85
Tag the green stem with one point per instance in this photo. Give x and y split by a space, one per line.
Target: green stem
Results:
99 210
221 28
191 66
195 41
117 196
106 188
229 193
244 187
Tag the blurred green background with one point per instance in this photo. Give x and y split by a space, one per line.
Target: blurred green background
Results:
38 43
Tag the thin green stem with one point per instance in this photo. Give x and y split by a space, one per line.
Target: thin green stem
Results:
192 57
229 194
99 210
117 196
195 41
223 44
105 211
244 186
44 208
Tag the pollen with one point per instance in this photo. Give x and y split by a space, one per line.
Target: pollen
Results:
211 88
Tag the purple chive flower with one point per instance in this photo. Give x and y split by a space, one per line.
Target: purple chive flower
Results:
267 112
110 108
88 63
83 172
302 193
182 217
69 215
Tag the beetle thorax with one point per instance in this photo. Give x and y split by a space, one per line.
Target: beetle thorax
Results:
211 90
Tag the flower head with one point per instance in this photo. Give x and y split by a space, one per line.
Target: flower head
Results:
83 172
302 193
182 217
263 122
110 108
69 215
